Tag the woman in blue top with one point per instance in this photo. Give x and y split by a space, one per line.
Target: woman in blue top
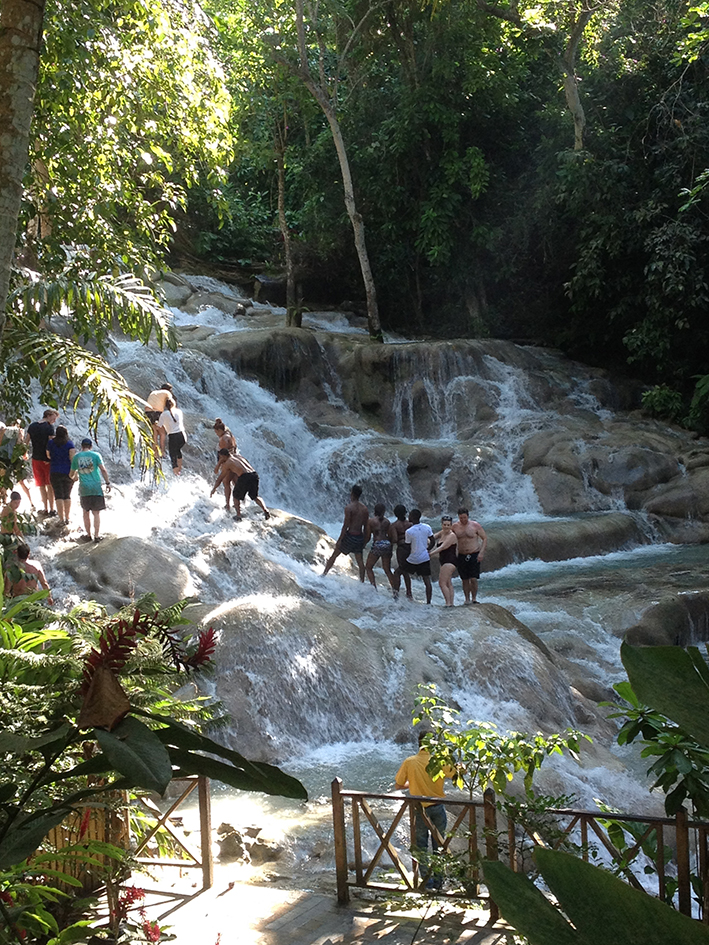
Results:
60 452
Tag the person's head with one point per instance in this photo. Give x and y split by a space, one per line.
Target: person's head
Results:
50 415
223 456
462 516
421 737
356 492
166 386
170 402
379 509
219 427
61 435
446 523
86 443
23 552
400 512
415 516
15 499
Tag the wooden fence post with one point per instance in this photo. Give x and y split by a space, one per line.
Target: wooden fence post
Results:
491 844
683 880
338 823
205 831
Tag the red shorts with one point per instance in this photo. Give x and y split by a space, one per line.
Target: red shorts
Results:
40 470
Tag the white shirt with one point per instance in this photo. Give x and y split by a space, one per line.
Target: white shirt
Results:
417 536
172 422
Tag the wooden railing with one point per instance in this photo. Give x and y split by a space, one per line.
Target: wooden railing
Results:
373 838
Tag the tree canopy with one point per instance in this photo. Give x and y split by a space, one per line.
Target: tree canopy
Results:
534 171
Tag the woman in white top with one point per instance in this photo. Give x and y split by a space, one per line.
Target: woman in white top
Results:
172 421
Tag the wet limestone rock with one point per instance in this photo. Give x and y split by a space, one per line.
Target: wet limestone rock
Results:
119 570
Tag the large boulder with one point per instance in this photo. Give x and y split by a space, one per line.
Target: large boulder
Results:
119 570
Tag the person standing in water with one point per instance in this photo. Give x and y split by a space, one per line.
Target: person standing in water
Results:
60 452
87 466
397 534
172 422
40 433
355 532
379 528
155 404
472 542
447 551
419 537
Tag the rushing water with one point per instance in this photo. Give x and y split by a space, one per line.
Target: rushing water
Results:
579 608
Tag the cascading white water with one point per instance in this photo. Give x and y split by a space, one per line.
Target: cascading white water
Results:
309 476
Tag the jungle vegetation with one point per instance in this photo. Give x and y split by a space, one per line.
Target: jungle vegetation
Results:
531 171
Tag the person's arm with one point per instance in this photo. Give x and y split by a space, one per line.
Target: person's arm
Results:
481 534
43 582
367 531
445 543
219 481
72 454
102 469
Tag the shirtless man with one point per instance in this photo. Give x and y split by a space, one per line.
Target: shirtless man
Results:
31 574
244 477
355 532
472 542
379 527
156 403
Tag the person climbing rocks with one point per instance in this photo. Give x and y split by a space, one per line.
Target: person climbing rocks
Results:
355 532
245 481
155 404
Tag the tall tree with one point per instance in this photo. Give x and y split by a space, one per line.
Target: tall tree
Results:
20 40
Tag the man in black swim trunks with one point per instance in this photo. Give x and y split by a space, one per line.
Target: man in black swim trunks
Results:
472 542
355 533
245 480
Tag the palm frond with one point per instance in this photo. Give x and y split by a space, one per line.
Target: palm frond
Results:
93 305
67 372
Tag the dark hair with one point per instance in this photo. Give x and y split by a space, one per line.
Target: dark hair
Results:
415 516
422 735
463 512
166 386
223 452
14 496
446 518
400 512
61 436
356 491
23 552
379 509
219 424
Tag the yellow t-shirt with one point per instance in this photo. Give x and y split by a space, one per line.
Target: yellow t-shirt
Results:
421 784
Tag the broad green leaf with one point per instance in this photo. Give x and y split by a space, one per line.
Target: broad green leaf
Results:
22 840
607 911
262 777
526 908
137 753
665 678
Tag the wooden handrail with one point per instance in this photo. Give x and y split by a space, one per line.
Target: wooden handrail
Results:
691 841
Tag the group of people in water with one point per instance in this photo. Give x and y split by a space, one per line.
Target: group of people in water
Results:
460 546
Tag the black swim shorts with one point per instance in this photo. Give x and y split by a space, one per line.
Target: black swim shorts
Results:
93 503
468 566
423 569
351 543
62 483
153 415
246 484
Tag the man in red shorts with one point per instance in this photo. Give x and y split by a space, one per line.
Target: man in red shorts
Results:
40 433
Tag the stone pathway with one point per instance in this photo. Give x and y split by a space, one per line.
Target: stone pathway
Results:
243 914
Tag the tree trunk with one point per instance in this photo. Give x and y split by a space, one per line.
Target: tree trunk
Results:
20 37
294 315
571 85
319 93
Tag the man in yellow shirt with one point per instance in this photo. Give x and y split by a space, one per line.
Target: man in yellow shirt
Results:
413 774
